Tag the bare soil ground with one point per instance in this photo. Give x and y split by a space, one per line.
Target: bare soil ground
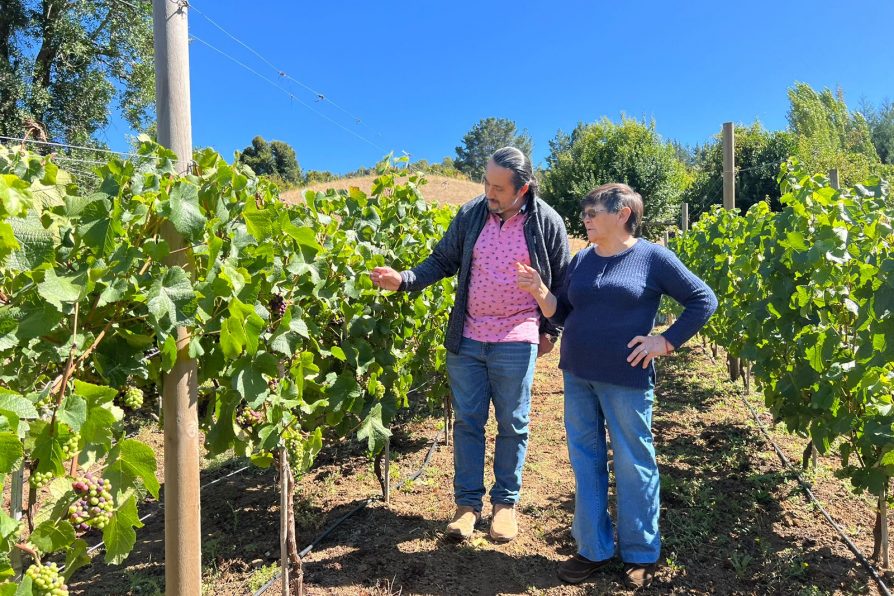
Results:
733 520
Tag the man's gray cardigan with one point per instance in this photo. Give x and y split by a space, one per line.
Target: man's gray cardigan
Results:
547 244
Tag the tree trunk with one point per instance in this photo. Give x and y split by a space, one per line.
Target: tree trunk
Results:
379 471
49 48
733 366
808 458
45 59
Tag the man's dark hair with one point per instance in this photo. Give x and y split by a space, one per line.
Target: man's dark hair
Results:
522 171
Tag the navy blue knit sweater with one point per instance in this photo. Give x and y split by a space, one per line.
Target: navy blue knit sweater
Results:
607 301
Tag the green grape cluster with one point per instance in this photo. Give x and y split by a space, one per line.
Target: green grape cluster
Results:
94 507
70 447
249 417
45 405
46 580
133 398
40 479
295 447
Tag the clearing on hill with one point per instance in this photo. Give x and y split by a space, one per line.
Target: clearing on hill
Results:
439 189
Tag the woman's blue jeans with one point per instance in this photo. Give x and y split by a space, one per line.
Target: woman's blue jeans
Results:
480 373
590 408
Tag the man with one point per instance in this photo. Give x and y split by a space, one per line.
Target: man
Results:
496 330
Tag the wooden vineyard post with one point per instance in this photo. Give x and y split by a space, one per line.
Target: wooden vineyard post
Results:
880 532
729 166
387 472
883 521
284 517
684 216
183 555
448 417
17 492
382 467
833 178
729 202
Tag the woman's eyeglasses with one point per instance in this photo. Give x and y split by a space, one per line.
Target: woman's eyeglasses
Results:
591 213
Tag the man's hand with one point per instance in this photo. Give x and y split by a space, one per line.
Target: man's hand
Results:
546 345
527 279
385 278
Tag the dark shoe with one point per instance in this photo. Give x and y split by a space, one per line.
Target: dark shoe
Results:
638 575
578 568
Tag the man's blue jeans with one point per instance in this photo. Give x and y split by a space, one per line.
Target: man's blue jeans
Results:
479 373
590 408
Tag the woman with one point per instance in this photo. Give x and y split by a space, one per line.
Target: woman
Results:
608 304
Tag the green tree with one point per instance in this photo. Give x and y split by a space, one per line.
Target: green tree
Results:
64 65
483 139
881 125
631 152
829 135
275 158
759 153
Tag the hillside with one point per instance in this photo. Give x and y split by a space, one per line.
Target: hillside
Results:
439 189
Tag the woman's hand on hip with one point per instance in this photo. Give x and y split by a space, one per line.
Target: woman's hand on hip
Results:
648 347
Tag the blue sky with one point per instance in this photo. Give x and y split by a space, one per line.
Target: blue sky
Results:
419 75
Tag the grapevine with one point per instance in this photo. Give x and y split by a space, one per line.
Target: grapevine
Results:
293 343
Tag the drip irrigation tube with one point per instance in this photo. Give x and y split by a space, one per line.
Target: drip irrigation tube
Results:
787 464
358 507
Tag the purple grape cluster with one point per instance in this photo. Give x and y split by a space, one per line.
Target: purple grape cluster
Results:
277 305
46 580
94 507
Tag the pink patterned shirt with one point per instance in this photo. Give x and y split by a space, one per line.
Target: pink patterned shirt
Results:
498 311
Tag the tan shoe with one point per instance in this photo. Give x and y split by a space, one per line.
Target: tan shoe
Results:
503 525
463 524
639 575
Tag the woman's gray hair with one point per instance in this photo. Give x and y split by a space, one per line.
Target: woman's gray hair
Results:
615 196
522 171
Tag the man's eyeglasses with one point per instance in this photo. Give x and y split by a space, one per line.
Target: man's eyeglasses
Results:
591 213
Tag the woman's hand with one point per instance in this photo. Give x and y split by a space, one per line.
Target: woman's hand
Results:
385 278
648 347
528 280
